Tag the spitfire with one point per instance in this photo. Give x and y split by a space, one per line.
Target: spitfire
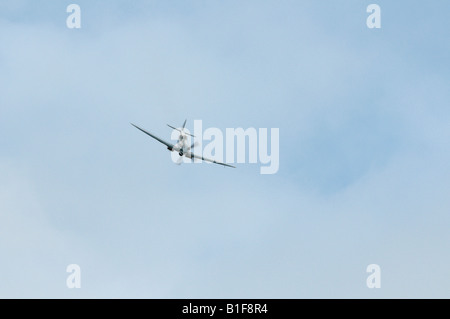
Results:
182 146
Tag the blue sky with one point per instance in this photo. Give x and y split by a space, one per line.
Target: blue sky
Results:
364 152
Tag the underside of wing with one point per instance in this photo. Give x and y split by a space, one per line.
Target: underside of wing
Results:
192 155
170 146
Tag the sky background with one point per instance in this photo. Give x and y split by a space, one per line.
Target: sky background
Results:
364 173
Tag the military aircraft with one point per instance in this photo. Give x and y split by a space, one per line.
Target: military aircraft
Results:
182 146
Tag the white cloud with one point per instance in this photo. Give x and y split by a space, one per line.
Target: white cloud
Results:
79 185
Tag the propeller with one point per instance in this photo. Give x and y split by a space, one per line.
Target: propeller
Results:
180 158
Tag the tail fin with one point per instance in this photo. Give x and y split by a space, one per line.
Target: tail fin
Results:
182 129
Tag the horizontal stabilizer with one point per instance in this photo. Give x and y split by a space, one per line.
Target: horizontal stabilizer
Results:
182 130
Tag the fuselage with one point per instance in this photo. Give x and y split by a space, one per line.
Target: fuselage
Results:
182 144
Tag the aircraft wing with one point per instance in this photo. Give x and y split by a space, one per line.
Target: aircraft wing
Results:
192 155
170 146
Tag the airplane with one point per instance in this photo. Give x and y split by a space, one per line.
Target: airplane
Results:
182 146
